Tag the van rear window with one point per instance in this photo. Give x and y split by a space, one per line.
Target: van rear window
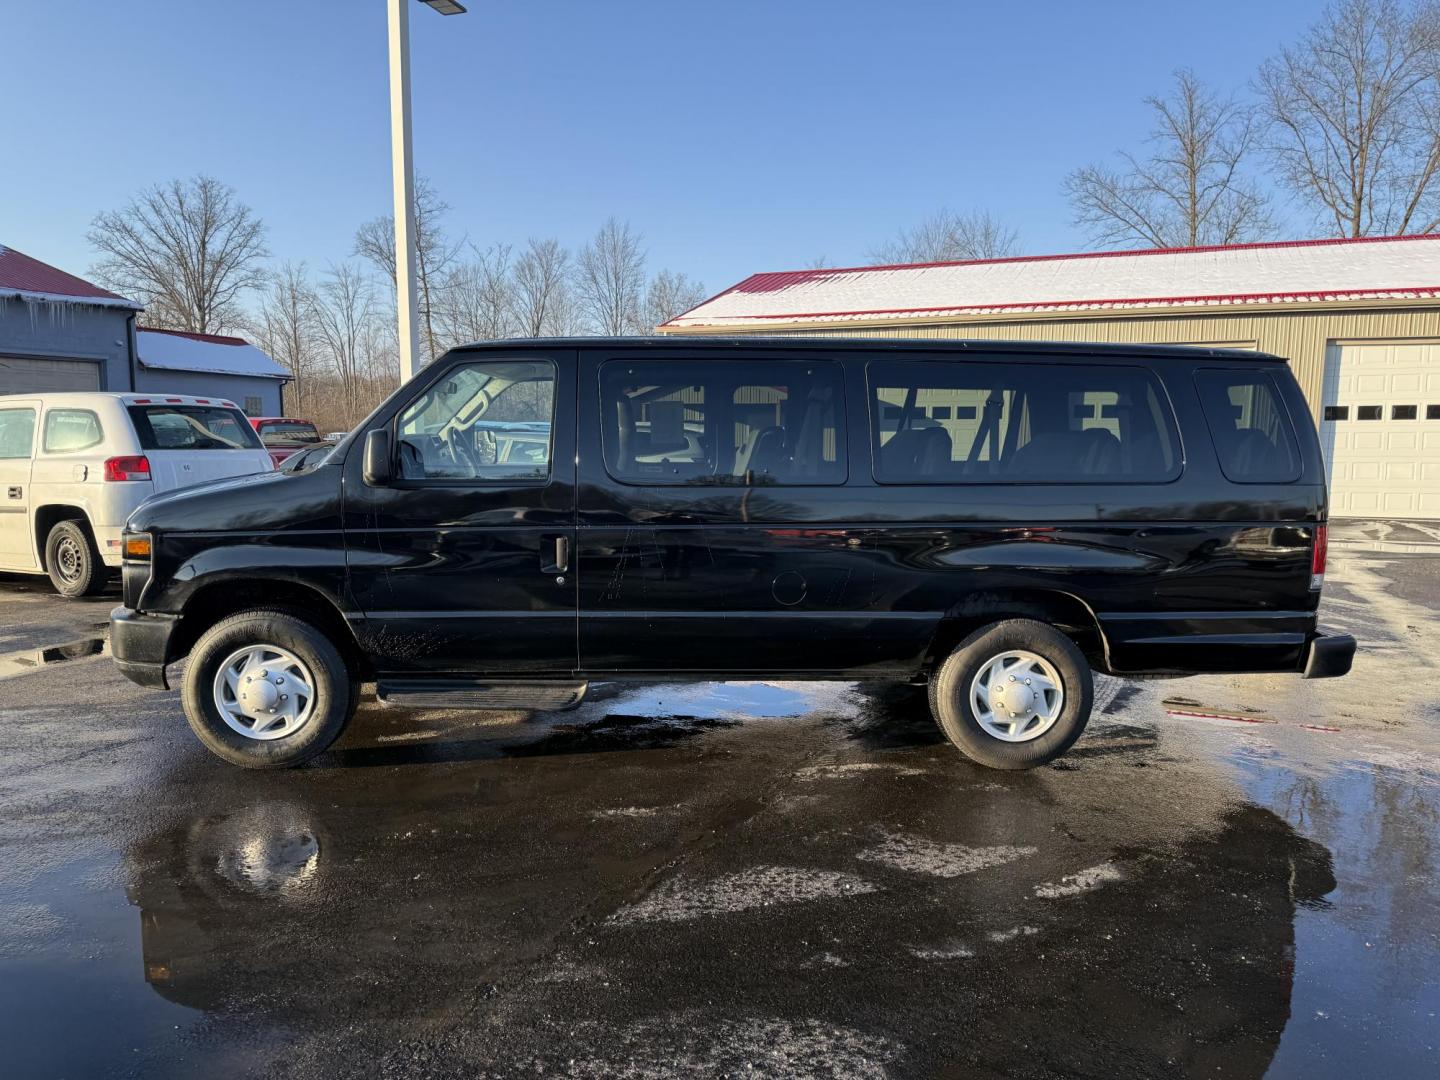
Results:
192 427
1249 425
1025 422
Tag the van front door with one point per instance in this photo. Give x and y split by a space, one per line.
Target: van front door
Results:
17 447
462 563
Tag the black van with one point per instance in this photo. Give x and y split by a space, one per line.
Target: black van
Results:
992 519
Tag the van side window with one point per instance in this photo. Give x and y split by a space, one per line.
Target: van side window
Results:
68 430
1026 422
1249 425
17 432
488 421
731 423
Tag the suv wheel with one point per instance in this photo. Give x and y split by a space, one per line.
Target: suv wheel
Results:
1013 695
72 562
267 690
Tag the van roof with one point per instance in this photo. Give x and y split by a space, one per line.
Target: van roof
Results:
958 346
126 397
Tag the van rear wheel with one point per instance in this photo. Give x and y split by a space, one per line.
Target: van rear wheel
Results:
74 566
267 690
1013 695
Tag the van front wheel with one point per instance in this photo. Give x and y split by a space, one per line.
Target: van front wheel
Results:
1013 695
267 690
74 566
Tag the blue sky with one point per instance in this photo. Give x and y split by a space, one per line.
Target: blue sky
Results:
736 137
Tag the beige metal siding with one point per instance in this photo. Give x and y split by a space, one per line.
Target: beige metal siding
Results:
1301 337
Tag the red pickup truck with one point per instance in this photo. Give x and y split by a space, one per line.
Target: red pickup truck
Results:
284 435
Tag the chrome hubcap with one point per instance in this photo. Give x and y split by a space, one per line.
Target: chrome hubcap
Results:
264 692
1017 696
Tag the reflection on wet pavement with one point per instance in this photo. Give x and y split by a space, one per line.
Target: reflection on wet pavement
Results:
790 880
24 661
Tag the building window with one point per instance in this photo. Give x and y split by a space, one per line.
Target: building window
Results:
253 406
1432 412
1369 412
1403 412
1337 412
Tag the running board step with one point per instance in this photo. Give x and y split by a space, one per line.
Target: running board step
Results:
539 695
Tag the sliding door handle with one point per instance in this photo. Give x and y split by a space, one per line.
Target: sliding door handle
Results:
556 559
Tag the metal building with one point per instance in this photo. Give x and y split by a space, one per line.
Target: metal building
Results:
1359 321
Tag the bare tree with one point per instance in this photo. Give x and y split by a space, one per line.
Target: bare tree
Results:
1191 189
948 236
188 250
435 254
670 294
343 311
479 298
610 280
820 262
285 329
543 304
1354 113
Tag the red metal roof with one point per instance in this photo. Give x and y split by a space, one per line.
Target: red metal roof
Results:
1282 272
213 339
22 275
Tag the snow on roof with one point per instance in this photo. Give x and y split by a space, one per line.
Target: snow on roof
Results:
1298 271
30 279
179 350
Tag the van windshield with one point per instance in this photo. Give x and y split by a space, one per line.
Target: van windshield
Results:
192 427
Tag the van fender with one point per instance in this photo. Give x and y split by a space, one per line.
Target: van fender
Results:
1056 607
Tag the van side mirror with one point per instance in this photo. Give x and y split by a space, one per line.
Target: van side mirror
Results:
378 470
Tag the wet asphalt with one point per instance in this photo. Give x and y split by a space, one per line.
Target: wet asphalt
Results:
1226 877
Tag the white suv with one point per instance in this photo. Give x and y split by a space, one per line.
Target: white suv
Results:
73 467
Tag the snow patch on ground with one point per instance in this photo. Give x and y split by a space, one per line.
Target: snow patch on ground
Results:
854 768
758 887
919 856
686 1045
626 812
953 951
999 937
1082 882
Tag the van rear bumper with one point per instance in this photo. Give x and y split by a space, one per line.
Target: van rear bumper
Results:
139 645
1328 656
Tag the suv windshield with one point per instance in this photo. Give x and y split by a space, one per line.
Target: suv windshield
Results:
192 427
288 432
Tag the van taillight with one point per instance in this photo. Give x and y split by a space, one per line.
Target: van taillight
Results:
127 468
1317 557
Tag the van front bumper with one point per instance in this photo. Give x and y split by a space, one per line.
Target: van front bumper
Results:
1328 656
139 645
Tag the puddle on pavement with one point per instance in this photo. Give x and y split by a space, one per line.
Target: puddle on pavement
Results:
25 661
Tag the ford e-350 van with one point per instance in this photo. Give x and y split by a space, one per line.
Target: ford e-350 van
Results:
994 520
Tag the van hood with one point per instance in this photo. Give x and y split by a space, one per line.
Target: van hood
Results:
257 502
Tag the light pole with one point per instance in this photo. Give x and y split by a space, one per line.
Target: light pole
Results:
403 170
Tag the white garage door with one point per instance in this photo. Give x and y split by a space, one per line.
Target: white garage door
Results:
1380 428
27 375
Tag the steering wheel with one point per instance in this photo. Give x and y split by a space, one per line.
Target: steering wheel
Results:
456 451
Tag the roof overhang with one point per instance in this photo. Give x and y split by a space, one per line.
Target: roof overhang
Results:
26 296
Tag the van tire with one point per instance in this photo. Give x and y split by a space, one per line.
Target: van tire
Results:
335 688
953 708
72 561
